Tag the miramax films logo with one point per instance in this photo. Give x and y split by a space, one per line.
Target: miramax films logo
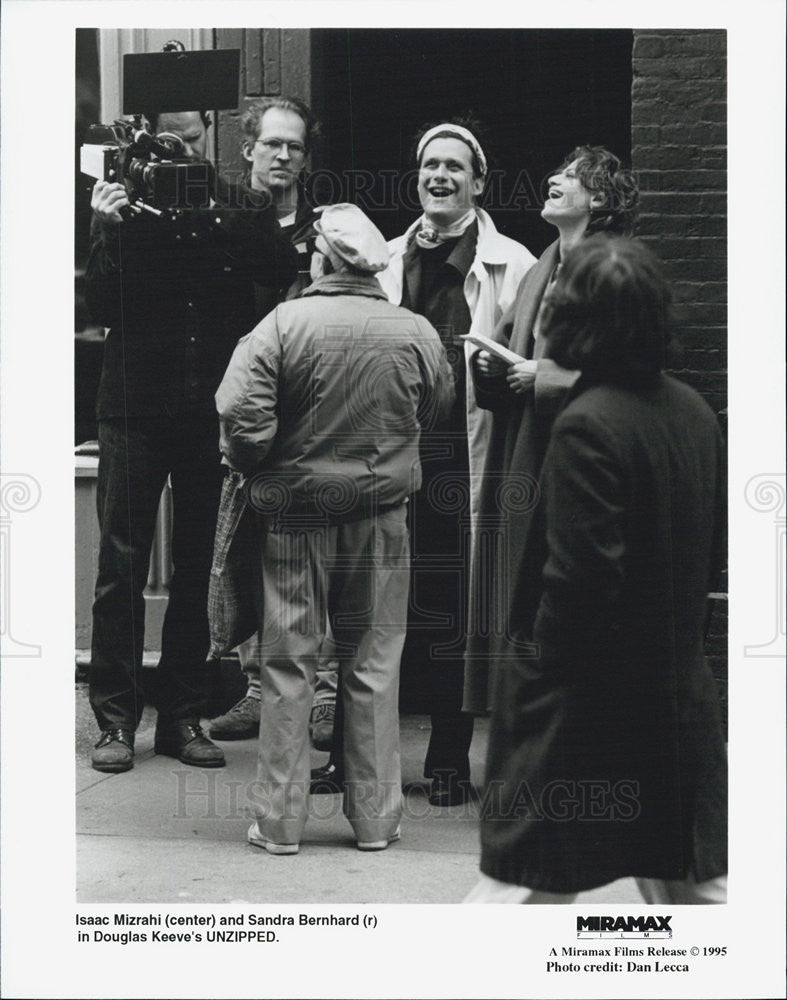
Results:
624 927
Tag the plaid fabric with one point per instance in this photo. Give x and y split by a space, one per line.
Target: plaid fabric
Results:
231 612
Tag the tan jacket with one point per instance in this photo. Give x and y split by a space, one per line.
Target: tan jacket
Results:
325 399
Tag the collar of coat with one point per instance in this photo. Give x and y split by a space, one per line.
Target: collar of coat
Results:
528 302
346 284
491 248
231 194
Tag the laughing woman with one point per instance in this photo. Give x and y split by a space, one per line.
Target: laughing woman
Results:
606 751
589 193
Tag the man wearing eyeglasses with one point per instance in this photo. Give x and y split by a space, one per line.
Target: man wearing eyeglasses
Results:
278 134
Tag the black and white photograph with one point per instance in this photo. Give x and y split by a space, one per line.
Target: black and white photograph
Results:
425 547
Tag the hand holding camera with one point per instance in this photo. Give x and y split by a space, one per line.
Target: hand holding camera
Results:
161 165
108 200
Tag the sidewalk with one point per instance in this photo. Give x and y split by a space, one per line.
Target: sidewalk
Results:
166 833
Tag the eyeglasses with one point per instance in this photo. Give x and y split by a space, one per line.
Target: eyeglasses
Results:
274 146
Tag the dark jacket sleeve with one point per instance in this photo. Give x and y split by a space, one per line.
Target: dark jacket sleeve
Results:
438 392
492 391
583 577
550 385
718 563
132 265
247 236
103 274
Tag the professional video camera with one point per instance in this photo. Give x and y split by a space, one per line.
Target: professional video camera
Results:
157 176
152 168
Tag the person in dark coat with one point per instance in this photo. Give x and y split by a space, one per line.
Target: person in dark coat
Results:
606 753
175 306
591 192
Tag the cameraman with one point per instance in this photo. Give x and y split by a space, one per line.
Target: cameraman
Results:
177 292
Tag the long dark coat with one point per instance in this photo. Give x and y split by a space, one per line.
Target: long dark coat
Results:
606 755
506 574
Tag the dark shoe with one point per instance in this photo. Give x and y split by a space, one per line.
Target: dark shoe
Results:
187 742
327 780
242 722
448 790
114 752
321 724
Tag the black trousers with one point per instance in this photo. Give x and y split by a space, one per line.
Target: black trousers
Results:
136 456
433 656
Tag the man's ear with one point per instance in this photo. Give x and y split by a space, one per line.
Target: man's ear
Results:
478 186
245 151
319 266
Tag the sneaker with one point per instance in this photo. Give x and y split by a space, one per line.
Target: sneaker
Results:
379 845
256 839
114 752
242 722
321 724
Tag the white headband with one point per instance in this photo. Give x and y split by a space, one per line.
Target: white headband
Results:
461 133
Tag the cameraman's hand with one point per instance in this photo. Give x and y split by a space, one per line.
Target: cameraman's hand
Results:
107 200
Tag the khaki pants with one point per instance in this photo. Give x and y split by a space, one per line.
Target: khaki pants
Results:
250 652
355 575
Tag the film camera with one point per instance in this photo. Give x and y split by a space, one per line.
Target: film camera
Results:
158 177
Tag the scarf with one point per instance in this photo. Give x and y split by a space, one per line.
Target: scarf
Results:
429 235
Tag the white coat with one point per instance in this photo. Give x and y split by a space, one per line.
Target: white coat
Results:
499 265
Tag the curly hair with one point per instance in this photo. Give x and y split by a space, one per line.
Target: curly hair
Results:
601 172
609 313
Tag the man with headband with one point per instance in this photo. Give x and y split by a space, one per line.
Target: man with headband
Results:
453 267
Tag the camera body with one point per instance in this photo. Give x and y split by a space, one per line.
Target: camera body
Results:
152 168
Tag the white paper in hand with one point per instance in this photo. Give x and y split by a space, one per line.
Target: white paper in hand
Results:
495 349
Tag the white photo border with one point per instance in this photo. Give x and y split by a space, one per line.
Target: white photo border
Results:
474 952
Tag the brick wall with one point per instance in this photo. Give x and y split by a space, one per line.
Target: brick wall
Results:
679 151
273 61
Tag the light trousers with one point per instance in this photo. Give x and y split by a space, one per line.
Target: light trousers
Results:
354 575
250 653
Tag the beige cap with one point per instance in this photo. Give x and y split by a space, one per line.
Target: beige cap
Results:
353 236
